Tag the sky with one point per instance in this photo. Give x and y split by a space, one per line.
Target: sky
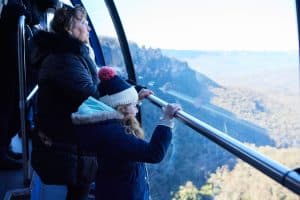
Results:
203 24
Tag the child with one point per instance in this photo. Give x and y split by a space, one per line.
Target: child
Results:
110 128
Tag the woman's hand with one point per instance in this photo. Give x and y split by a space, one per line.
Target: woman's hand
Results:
144 93
170 110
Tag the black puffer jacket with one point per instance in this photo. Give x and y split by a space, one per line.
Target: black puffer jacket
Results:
67 76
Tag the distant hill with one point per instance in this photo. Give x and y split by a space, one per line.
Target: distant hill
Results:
191 157
278 114
241 61
266 71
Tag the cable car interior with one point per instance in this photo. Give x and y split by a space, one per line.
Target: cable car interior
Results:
234 68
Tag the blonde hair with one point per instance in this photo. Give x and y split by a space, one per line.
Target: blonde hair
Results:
130 124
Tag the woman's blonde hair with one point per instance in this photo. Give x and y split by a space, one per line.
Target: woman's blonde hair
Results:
131 124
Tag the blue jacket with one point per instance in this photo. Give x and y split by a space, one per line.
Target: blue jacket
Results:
121 156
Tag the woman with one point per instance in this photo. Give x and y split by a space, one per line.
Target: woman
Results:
67 76
113 131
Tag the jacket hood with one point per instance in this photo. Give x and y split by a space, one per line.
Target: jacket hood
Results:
93 111
45 43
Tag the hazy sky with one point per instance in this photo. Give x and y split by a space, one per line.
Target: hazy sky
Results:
204 24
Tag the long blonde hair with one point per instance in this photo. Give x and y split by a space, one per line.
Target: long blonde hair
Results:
131 124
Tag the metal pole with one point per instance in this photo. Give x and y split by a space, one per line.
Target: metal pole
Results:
32 93
22 100
122 39
298 25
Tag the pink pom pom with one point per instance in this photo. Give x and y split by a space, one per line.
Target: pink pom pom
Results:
106 73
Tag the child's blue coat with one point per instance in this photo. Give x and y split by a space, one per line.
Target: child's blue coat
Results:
121 156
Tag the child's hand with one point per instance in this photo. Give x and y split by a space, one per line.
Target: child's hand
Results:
170 110
144 93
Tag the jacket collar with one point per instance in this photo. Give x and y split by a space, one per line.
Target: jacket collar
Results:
45 43
59 43
93 111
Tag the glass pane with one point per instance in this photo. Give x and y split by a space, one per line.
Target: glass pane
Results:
232 64
104 27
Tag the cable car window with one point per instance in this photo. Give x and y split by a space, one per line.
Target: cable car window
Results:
105 29
232 64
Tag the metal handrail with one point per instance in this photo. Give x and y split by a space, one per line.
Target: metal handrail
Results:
298 28
22 100
278 172
32 93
